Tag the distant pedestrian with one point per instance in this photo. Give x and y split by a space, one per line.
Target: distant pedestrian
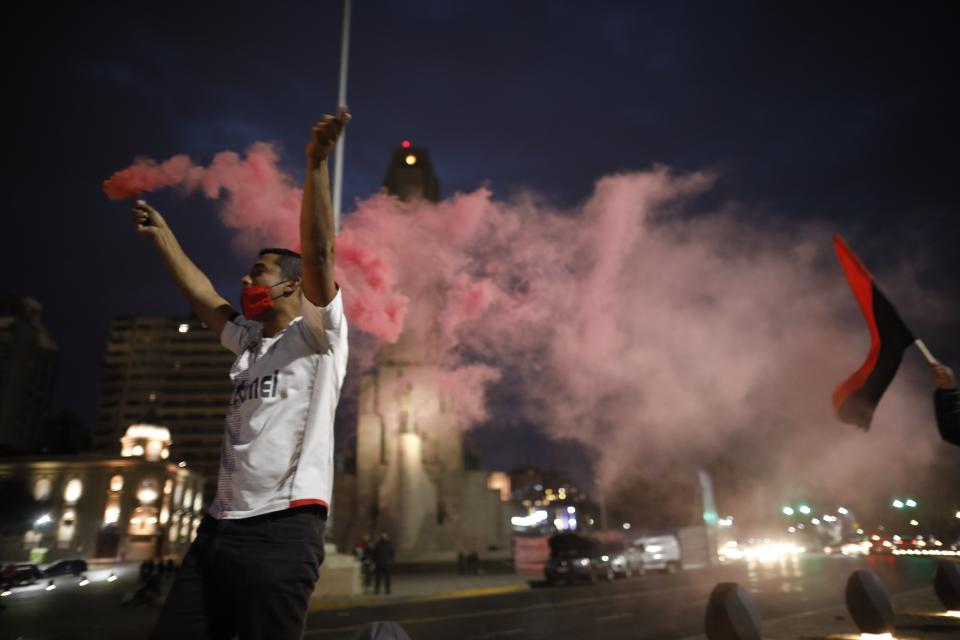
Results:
146 570
365 556
383 560
473 563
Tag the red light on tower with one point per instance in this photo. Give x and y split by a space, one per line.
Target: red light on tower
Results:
405 144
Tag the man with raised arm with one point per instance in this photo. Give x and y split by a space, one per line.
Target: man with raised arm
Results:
254 563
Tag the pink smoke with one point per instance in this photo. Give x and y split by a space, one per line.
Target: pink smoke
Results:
262 204
648 333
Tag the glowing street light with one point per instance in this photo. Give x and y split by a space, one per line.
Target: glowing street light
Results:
842 511
911 502
787 511
897 504
804 509
914 522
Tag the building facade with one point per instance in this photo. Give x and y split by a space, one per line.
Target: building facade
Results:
177 368
132 506
28 363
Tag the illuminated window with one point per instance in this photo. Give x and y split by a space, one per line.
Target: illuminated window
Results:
147 493
116 483
42 488
32 539
73 491
168 487
154 450
111 515
174 528
187 498
143 521
68 526
197 502
177 494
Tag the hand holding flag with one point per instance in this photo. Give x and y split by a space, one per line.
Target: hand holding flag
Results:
856 398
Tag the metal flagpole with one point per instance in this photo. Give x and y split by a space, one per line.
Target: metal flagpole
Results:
341 100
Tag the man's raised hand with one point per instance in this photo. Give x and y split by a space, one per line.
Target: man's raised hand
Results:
325 135
146 220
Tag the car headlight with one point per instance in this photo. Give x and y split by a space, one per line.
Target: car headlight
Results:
584 562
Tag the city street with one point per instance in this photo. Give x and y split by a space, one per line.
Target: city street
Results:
652 606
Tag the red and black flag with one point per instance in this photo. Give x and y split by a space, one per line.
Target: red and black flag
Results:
856 398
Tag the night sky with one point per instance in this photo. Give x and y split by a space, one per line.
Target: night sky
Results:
808 112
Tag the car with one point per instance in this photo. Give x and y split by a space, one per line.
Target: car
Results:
23 573
577 558
660 552
66 567
627 560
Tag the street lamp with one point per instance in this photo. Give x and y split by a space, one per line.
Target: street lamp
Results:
897 504
804 509
787 511
842 511
911 502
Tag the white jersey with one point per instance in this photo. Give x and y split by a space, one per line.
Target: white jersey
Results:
277 448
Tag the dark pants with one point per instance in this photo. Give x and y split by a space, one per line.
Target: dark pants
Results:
383 575
252 577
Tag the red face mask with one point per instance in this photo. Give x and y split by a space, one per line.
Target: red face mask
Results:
256 300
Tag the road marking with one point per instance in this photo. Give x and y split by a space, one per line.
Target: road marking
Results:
614 616
499 634
372 601
654 592
509 610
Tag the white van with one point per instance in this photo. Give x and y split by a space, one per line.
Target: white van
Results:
660 553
